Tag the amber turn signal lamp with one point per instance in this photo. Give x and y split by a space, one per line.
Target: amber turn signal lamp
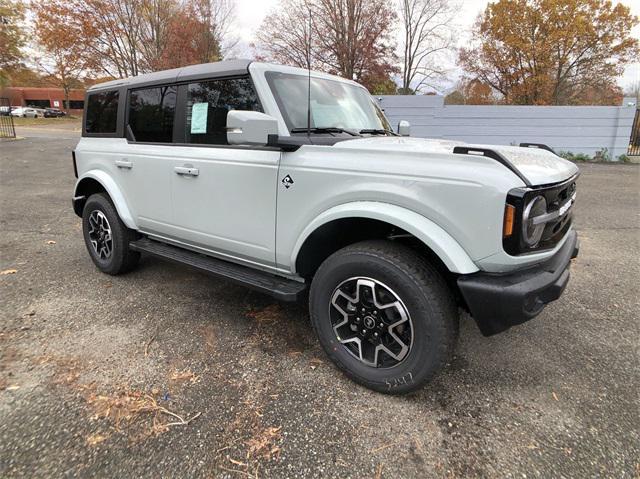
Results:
509 220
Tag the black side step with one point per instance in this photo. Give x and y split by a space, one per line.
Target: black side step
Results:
278 287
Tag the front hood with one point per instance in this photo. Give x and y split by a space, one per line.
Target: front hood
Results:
539 167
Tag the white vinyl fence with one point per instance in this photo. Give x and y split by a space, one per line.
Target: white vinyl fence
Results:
576 129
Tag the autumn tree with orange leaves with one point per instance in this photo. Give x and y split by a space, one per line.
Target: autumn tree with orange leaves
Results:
471 92
12 39
64 62
552 52
122 38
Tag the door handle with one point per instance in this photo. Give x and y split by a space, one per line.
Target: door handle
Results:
124 164
186 171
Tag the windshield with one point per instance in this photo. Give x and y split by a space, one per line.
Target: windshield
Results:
334 104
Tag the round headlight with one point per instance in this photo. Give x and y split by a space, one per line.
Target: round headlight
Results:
531 233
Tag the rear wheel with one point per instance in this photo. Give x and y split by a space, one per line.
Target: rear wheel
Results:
383 315
106 236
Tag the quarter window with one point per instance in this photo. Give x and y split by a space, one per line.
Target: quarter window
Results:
208 104
102 112
151 114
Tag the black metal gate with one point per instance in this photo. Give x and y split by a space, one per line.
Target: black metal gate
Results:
634 144
7 130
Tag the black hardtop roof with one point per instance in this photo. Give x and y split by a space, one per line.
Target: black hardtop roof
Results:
193 72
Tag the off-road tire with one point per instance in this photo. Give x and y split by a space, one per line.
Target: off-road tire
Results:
420 287
122 259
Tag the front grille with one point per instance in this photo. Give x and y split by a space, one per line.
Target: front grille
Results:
556 197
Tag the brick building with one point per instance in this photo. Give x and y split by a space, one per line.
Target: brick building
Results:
44 98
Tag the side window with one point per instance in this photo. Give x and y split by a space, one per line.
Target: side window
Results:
102 112
208 104
151 112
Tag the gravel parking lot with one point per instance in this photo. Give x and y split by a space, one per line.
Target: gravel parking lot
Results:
91 366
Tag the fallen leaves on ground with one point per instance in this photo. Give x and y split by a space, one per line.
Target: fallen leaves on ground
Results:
51 242
270 314
96 439
184 376
125 407
315 362
265 444
66 370
147 345
8 271
209 337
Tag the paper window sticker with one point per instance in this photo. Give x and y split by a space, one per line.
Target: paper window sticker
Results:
199 118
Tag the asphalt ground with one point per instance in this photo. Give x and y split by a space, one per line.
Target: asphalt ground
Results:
91 366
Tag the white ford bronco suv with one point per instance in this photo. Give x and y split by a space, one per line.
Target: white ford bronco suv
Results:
287 181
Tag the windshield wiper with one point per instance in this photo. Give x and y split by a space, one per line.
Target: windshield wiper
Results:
325 130
378 131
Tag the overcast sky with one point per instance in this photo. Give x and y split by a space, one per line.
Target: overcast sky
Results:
250 13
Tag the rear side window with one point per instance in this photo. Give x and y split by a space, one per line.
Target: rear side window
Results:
208 104
102 112
151 114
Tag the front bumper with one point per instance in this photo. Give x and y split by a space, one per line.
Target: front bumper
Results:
499 301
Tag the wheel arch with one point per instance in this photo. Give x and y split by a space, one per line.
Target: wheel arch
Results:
97 181
366 217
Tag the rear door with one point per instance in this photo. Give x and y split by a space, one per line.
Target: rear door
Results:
144 164
224 197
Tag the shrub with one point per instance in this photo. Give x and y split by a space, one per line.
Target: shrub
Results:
567 155
602 155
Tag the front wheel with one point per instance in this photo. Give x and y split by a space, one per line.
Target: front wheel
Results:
383 315
106 236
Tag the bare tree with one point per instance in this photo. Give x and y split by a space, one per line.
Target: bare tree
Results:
110 32
286 35
354 35
633 90
156 30
216 17
350 38
428 33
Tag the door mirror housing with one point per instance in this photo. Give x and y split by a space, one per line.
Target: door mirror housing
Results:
404 128
250 127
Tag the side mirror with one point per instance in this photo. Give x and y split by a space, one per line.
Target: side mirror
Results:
404 128
250 127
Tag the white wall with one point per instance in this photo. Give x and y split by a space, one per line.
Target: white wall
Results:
578 129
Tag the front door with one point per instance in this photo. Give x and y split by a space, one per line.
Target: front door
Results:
224 197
